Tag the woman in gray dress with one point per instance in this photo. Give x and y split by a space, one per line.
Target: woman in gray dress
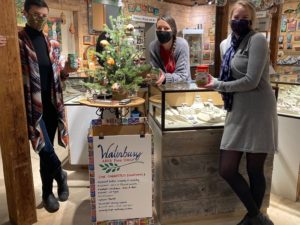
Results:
251 122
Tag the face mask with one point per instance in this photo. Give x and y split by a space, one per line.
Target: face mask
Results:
163 36
36 22
240 27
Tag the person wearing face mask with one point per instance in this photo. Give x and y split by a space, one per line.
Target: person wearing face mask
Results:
251 122
169 53
44 101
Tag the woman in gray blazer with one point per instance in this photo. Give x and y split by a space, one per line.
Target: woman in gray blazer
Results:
251 121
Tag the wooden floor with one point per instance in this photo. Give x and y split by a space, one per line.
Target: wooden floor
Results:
76 211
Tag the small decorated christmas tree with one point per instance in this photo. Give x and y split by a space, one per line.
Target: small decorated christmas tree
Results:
122 69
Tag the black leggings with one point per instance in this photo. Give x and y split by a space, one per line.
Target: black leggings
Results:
251 194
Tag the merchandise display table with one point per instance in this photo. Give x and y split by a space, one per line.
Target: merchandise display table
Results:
136 101
187 124
187 183
119 109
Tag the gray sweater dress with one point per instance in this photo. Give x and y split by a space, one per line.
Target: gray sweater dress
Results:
182 60
251 125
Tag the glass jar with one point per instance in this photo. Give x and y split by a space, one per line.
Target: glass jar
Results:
201 75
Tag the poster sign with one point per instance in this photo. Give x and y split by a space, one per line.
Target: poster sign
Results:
144 19
263 24
122 172
261 14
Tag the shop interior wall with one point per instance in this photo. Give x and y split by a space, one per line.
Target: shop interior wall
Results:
68 39
186 17
179 12
290 35
205 16
79 10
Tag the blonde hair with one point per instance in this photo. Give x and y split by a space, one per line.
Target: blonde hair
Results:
248 5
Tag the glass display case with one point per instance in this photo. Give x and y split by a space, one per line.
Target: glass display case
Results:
288 101
194 39
184 106
74 89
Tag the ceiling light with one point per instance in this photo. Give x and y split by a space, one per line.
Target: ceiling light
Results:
210 2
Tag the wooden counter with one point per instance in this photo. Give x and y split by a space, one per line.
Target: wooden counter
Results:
187 183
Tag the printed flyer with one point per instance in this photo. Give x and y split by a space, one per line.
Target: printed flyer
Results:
121 179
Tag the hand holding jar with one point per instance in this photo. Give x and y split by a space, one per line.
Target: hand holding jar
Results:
202 75
210 82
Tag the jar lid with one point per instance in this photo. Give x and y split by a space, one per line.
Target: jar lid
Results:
201 68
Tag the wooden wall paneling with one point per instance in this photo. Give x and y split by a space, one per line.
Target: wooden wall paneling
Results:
198 179
193 166
190 189
157 145
174 211
274 34
192 142
220 34
13 129
76 21
99 16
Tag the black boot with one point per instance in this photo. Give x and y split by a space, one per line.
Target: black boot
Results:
261 219
245 220
49 201
62 185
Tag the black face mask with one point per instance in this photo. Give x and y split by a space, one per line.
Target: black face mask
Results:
240 27
164 36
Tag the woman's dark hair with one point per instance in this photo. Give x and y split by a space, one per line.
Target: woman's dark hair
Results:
170 20
38 3
99 47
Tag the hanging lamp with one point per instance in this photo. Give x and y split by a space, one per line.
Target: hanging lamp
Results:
62 15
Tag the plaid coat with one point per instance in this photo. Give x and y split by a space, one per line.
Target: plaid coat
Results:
32 91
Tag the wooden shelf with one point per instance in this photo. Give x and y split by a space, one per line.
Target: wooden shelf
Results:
295 65
290 52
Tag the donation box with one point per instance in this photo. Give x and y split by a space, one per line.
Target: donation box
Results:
120 169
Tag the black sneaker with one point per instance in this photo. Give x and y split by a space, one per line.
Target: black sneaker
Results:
50 203
260 219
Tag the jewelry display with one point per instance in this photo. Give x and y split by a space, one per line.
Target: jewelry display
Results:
198 114
289 100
